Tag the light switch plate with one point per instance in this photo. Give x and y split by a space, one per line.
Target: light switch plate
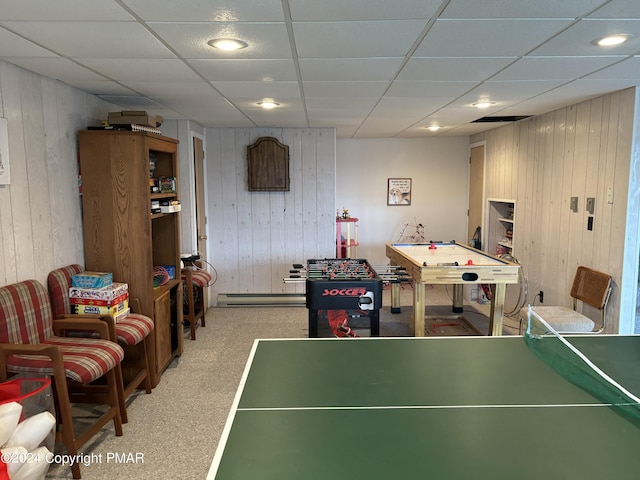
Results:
574 204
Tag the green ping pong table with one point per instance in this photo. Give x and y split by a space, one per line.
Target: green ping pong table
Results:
417 408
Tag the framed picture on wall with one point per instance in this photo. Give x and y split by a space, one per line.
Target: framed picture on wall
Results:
399 191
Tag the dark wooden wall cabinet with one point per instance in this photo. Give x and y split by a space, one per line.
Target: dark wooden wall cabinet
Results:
268 165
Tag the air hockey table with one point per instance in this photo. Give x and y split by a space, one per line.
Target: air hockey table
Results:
452 263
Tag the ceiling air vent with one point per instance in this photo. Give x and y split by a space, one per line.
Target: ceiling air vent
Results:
507 118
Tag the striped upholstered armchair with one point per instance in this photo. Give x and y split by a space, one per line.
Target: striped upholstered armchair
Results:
131 332
194 280
30 343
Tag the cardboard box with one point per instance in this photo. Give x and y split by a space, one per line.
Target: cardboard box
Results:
92 280
170 208
108 293
122 315
100 303
137 117
112 311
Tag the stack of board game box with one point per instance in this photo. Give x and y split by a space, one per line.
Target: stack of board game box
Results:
95 293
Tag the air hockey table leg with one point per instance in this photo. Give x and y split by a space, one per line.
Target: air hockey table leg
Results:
458 290
418 308
395 296
496 315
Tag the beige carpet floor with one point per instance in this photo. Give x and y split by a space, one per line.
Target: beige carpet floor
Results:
173 432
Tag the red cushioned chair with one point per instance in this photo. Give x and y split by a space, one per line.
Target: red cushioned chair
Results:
131 332
30 343
194 280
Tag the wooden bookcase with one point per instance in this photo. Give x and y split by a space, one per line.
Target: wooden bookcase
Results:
123 237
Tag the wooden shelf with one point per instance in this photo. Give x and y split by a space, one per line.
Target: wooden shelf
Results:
121 236
500 226
163 195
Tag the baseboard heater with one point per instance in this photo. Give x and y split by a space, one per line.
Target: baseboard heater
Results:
261 300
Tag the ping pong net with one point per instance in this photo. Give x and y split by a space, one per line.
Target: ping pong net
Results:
575 367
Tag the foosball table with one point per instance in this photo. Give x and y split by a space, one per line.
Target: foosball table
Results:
338 290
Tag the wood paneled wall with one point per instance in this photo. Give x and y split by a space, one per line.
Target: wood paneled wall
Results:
579 151
40 217
255 237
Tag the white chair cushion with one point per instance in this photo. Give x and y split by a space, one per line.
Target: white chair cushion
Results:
562 319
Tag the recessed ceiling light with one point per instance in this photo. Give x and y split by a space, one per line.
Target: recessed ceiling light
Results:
483 104
611 40
228 44
268 104
433 128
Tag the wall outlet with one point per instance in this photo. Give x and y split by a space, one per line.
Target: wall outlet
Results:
541 295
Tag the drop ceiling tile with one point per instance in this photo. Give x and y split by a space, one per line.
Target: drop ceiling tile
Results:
92 39
453 68
209 112
327 118
484 38
421 129
509 91
292 110
177 100
245 70
626 69
101 87
509 9
577 39
207 11
12 45
618 9
581 89
344 89
129 69
392 38
256 91
467 102
345 131
339 10
535 106
411 108
348 69
168 114
341 107
132 102
554 68
173 89
66 10
266 40
57 68
390 125
379 129
457 115
416 89
471 129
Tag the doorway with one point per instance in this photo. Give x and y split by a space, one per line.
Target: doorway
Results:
200 206
476 193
